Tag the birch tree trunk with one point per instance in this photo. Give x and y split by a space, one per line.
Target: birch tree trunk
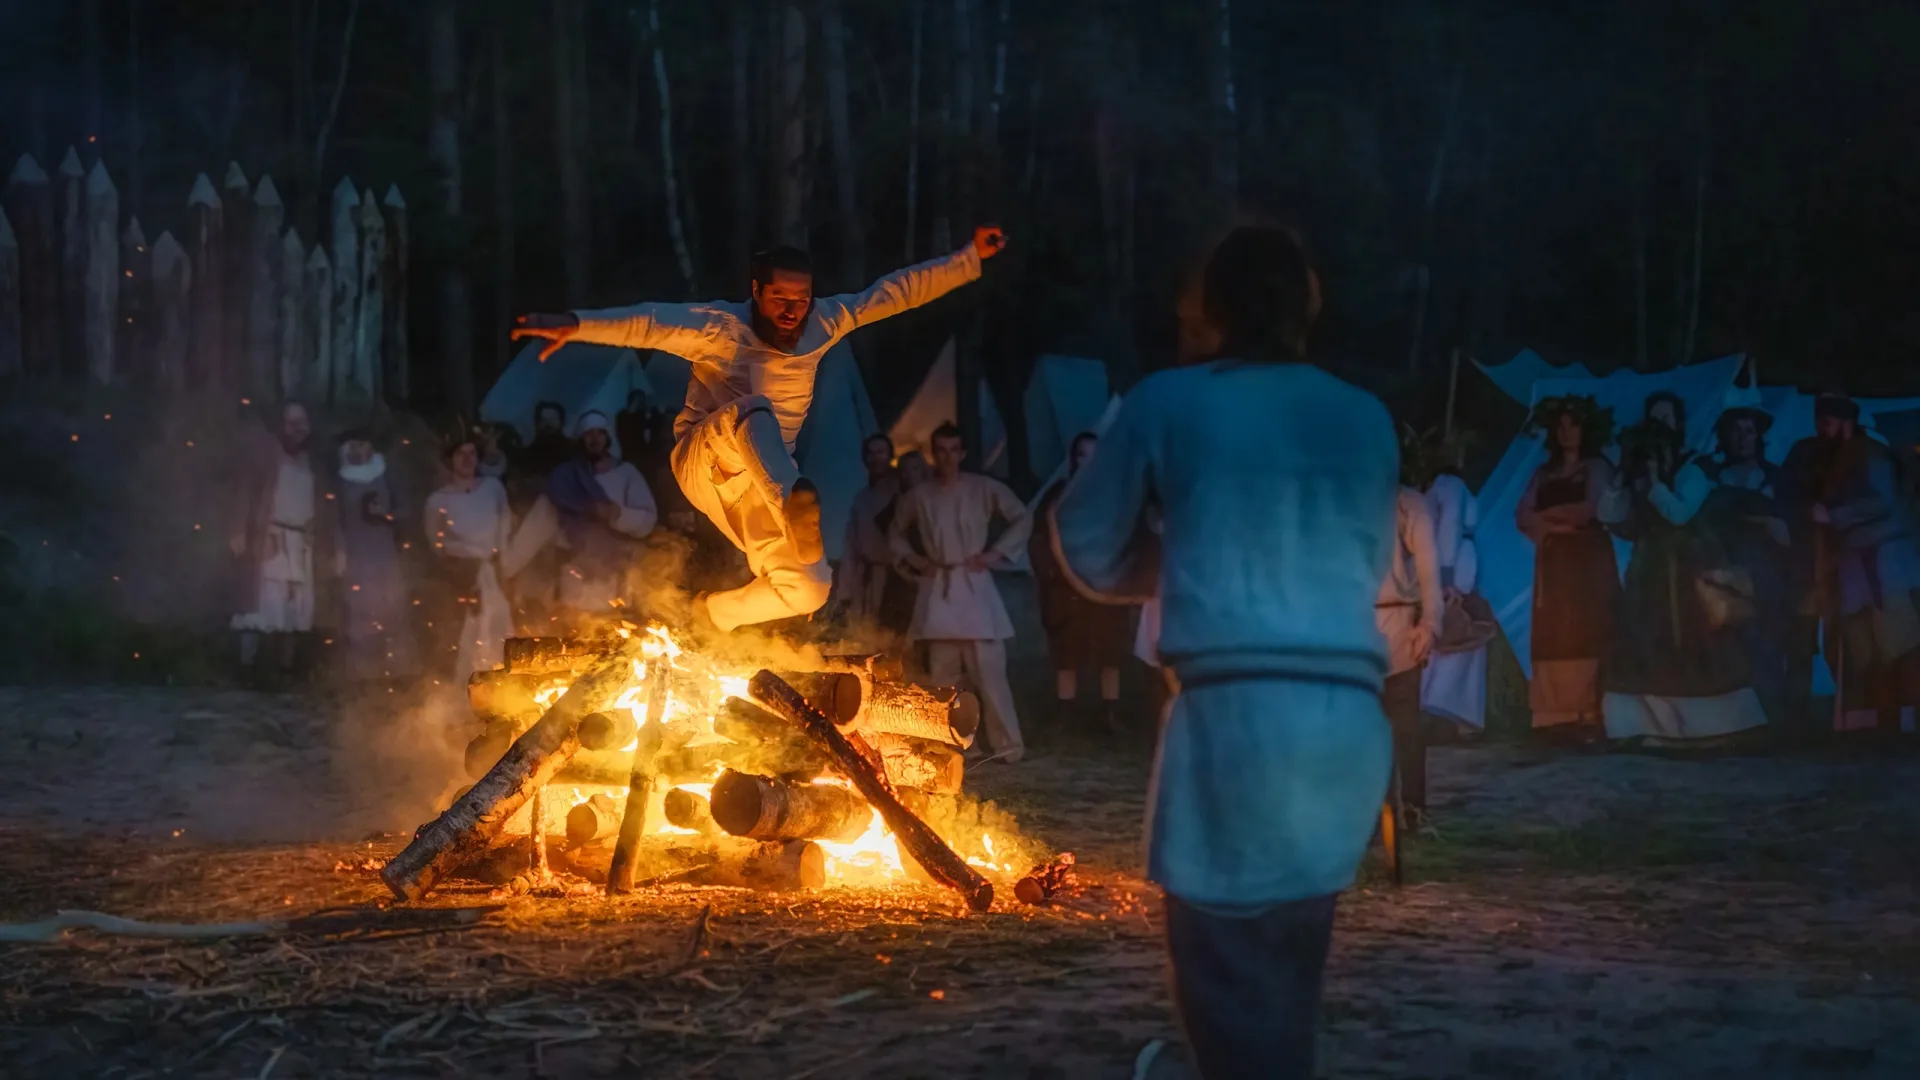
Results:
345 313
793 126
11 365
913 130
996 102
29 205
396 357
853 234
503 204
317 164
1226 112
294 349
443 148
172 305
70 190
263 287
102 304
960 146
205 365
369 330
569 32
745 209
676 227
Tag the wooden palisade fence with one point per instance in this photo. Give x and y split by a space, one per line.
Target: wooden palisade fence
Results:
236 302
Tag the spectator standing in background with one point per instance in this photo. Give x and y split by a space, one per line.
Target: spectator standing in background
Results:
284 538
379 646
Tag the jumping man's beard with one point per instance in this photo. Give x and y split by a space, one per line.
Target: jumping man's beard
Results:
766 331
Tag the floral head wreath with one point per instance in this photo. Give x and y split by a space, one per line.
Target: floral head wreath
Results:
1596 423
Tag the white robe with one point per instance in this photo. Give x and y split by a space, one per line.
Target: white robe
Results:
1454 685
955 603
731 471
476 525
285 603
638 515
867 562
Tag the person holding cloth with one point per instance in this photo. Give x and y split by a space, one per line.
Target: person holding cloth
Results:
1276 485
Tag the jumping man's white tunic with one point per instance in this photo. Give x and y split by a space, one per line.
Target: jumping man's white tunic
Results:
746 402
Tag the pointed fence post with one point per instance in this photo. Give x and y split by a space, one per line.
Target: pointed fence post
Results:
102 296
10 363
263 289
172 313
206 247
368 369
319 309
133 355
236 274
399 373
345 309
70 184
29 204
294 350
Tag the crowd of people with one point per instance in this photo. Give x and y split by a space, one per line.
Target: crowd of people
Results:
1741 572
335 556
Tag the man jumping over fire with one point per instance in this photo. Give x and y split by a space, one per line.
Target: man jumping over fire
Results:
753 371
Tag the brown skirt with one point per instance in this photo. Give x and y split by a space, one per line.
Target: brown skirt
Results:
1576 587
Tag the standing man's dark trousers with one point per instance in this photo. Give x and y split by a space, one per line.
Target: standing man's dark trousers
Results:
1400 700
1248 988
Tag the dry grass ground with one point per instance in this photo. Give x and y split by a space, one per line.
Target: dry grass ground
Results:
1573 917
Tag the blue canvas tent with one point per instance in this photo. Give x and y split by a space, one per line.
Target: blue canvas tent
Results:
1066 396
579 377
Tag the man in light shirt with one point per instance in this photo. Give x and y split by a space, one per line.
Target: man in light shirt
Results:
754 364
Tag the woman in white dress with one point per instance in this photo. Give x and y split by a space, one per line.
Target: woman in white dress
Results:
1454 685
469 524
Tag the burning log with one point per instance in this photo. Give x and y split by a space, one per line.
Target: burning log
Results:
941 714
471 823
916 763
503 697
919 841
608 730
781 866
765 743
689 810
595 819
762 809
536 654
633 821
1045 881
487 748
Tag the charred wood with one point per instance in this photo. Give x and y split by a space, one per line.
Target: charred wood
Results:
913 835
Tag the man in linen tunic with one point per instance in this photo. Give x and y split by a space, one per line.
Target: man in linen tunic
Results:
1275 484
1408 612
284 537
958 612
752 383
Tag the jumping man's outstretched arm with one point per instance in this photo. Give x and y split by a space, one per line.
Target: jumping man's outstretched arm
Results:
680 329
906 289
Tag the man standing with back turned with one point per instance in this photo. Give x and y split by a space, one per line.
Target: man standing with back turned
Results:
753 370
1275 483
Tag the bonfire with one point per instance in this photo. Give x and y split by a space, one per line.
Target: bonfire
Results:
630 760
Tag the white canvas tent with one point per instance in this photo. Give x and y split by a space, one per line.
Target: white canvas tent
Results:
934 404
1516 377
828 449
579 377
1066 396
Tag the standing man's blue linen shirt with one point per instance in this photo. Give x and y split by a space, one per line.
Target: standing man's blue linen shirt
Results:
1275 485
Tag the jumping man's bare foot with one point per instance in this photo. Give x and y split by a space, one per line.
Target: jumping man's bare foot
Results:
803 522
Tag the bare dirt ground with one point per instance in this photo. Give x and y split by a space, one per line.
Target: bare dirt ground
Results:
1581 916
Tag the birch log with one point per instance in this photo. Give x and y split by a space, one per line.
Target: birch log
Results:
319 307
345 310
237 201
29 204
133 354
294 349
172 313
10 366
206 234
398 376
70 183
367 370
101 303
263 290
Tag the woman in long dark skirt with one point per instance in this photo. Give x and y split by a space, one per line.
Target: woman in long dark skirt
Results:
1576 580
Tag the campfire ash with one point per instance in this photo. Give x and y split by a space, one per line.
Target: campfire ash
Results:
629 761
